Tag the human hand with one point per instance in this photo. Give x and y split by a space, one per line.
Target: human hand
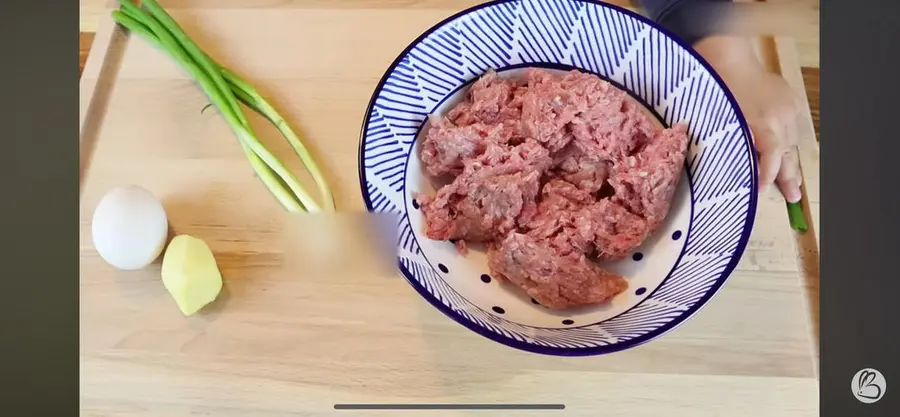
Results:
770 106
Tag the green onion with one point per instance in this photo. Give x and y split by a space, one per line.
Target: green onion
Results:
796 216
225 89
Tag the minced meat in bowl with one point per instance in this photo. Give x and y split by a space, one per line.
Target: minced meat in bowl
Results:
569 192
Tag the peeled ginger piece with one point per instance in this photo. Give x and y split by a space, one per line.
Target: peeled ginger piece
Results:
190 273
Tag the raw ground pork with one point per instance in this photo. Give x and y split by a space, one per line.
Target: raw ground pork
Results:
554 173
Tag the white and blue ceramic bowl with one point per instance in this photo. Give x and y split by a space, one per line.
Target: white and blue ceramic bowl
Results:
672 275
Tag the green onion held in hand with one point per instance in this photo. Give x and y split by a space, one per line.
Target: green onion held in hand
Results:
225 89
796 216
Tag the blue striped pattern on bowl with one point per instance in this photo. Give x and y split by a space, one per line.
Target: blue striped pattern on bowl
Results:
633 53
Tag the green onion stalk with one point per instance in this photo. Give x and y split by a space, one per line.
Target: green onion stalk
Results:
797 217
225 90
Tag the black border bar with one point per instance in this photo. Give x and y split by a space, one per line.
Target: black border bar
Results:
860 246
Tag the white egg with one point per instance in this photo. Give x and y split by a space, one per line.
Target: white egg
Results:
129 227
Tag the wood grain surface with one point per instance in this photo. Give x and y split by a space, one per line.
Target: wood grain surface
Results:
810 78
793 18
287 339
804 23
811 85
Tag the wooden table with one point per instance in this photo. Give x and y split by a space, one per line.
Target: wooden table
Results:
802 24
283 341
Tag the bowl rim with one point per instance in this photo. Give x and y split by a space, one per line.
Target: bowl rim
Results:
596 350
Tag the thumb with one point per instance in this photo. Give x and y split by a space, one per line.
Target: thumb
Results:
789 178
770 156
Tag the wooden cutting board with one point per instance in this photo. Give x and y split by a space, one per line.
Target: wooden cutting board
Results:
283 340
